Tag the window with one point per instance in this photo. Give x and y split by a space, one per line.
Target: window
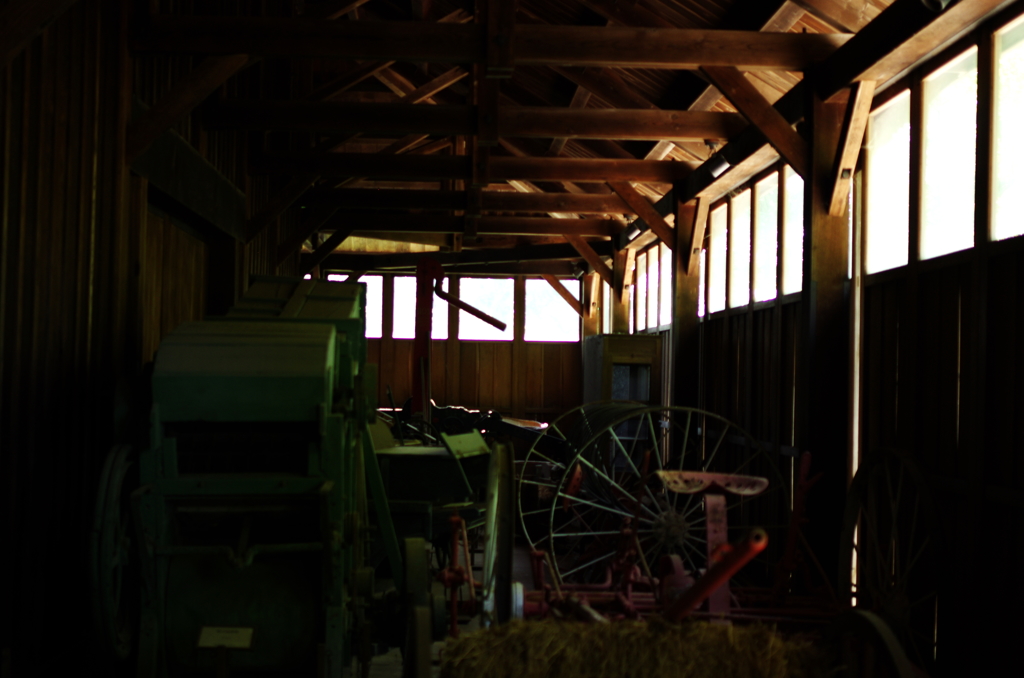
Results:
947 171
606 307
640 310
792 231
374 302
666 285
1008 160
548 316
717 258
887 218
701 286
739 250
766 237
493 296
404 309
652 288
374 305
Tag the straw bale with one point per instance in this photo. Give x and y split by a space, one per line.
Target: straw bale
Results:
655 649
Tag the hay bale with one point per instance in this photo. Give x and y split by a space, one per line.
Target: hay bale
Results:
655 649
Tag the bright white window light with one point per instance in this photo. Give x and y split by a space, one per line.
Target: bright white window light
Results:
666 285
1008 177
766 237
949 135
792 232
404 318
548 316
493 296
887 218
739 250
641 293
719 221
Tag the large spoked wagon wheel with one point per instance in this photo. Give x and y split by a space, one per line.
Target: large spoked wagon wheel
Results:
112 560
888 551
608 498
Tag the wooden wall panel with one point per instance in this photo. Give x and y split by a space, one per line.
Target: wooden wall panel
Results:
484 375
68 328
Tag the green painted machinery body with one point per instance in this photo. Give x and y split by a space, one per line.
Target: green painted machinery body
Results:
253 490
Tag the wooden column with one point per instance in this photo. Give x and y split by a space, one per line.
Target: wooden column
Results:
591 288
823 387
686 329
519 361
622 278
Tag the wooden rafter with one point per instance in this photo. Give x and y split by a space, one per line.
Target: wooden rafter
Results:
313 221
490 201
526 122
593 258
695 219
325 249
573 302
614 46
183 97
579 100
645 211
373 165
856 122
378 262
406 222
752 104
278 203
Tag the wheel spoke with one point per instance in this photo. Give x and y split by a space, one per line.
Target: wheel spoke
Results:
654 439
718 446
587 564
537 482
612 482
632 464
595 505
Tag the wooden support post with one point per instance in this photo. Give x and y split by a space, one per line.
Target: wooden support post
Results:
822 414
591 285
695 217
645 210
686 328
573 302
624 261
186 94
752 104
588 253
854 125
500 46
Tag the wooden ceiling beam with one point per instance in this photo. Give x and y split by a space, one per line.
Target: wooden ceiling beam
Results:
580 98
524 121
324 249
278 203
532 268
573 302
844 15
752 104
378 262
584 249
434 167
406 222
613 46
490 201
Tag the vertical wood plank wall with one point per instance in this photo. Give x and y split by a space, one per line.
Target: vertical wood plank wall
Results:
535 380
748 371
920 395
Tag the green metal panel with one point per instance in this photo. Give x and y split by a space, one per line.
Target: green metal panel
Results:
232 371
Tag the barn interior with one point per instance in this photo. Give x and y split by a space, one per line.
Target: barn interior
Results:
795 216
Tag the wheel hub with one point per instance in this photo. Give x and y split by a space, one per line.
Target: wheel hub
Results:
672 530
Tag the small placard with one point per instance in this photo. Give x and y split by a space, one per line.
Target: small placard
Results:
232 637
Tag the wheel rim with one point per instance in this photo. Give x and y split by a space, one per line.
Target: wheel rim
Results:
610 483
889 542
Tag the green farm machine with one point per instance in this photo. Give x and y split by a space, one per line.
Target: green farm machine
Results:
259 538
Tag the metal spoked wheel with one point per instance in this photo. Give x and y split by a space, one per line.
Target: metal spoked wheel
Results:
605 491
889 550
112 560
